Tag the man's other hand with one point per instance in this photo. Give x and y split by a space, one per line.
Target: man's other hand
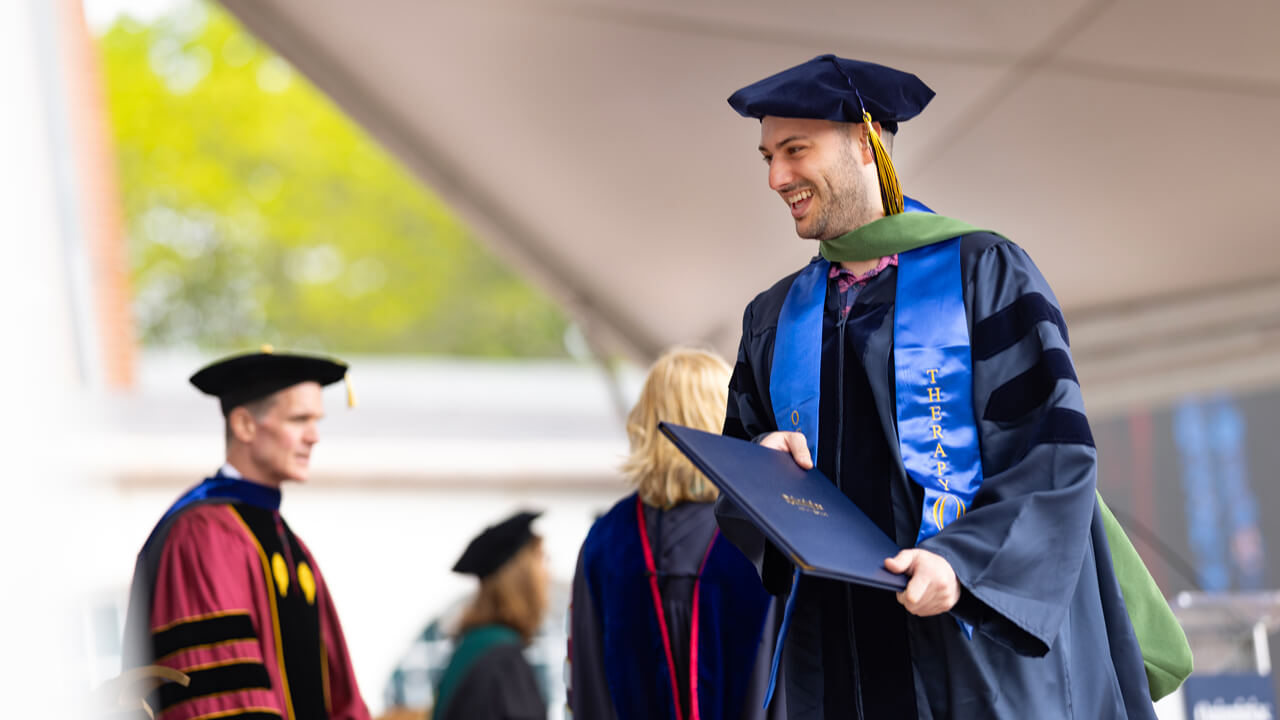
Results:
933 588
790 442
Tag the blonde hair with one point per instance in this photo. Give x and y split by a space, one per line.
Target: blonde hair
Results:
514 595
686 387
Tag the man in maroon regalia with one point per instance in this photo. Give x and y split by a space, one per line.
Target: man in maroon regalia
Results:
223 590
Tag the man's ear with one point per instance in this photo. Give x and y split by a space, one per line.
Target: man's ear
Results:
243 425
862 141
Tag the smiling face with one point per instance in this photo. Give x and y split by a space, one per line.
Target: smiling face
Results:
274 445
824 172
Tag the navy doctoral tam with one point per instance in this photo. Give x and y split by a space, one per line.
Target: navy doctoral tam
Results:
835 88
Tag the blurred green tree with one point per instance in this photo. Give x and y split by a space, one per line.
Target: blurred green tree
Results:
256 211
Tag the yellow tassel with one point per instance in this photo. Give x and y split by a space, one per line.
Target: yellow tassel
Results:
890 190
351 392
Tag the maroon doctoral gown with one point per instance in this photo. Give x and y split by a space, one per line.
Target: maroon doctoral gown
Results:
225 592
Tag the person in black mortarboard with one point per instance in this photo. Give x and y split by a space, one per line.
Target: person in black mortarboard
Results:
223 590
488 678
923 364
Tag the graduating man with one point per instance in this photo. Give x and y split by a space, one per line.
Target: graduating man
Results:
924 364
223 590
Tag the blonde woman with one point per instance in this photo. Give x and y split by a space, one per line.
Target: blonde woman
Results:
488 677
667 615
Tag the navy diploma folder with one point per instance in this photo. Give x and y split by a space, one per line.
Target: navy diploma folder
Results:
801 511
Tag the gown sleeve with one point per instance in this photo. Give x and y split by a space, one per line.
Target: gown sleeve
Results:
588 691
1018 551
747 417
747 414
206 622
758 685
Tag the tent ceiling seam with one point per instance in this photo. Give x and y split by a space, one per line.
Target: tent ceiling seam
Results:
756 34
871 46
986 103
1180 80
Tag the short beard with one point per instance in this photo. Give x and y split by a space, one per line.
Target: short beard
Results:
851 204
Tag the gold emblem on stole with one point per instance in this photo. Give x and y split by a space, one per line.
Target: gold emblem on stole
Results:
940 509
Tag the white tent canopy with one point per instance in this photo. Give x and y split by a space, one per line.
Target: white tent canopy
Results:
1126 144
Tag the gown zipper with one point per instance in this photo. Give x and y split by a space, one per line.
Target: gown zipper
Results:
848 594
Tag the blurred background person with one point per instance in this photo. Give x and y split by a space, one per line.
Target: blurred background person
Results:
488 677
656 566
224 591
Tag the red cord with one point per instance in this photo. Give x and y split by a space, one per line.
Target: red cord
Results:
693 632
662 616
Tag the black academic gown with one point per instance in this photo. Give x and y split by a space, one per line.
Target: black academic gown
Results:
498 685
1052 638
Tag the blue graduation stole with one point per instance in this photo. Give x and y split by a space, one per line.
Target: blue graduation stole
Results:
933 371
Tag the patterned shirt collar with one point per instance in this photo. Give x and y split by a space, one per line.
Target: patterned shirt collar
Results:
846 279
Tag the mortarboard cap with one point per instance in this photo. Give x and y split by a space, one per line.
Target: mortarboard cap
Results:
241 379
499 543
835 88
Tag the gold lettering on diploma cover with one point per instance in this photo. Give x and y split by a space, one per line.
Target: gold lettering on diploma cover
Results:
805 504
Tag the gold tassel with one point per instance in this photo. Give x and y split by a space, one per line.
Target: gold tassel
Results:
890 190
351 392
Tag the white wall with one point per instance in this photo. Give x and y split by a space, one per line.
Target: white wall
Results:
40 380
